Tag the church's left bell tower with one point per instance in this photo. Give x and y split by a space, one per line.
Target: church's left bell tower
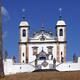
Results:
23 41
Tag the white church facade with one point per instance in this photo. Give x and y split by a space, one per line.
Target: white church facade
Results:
42 51
43 45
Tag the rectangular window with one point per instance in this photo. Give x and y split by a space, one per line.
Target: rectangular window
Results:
50 49
35 50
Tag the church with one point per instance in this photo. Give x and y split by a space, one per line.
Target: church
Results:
44 45
43 51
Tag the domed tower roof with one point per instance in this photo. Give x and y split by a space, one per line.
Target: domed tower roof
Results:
24 22
60 22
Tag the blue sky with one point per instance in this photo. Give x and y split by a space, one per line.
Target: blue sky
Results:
38 12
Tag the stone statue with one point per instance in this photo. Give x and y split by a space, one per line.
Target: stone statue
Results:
54 63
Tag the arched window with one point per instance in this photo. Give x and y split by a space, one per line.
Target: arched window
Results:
23 54
24 32
23 61
61 53
61 32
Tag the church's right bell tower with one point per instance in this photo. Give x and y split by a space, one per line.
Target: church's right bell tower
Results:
61 30
23 41
61 39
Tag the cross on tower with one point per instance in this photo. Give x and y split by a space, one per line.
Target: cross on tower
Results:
60 12
23 10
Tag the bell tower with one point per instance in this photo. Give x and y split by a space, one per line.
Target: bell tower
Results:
61 38
61 30
23 41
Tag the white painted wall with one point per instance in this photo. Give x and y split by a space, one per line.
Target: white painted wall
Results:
10 68
69 67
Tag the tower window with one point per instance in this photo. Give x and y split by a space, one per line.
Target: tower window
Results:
23 54
61 32
61 53
24 32
23 61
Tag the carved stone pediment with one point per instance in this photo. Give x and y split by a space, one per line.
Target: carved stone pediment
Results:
43 36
